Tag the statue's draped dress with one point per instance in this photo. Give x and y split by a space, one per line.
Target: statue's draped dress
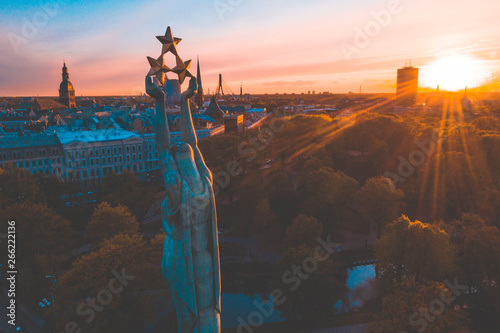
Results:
190 255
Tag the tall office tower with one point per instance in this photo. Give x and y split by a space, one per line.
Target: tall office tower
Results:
406 94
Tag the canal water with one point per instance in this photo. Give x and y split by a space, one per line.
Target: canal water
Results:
239 306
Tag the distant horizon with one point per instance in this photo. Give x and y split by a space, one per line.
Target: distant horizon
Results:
283 46
427 91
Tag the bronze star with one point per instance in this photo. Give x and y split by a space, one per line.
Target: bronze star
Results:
158 68
182 69
169 42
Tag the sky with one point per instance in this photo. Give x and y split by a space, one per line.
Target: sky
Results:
267 46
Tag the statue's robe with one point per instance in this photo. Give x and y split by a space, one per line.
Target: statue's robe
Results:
190 256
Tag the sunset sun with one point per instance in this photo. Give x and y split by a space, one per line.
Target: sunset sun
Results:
454 73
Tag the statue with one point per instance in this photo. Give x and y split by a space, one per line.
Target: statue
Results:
190 262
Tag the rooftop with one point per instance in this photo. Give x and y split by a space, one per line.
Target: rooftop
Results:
31 140
95 136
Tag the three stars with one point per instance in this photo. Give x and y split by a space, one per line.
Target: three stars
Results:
158 67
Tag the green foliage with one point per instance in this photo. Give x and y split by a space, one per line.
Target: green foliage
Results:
325 194
39 229
108 221
127 190
17 186
414 249
408 309
304 230
129 308
314 294
380 201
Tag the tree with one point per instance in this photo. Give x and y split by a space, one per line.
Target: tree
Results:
39 229
413 307
126 189
480 257
414 249
42 247
326 194
17 185
304 230
311 287
380 200
108 221
122 304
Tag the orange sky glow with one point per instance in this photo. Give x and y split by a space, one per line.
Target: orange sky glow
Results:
277 46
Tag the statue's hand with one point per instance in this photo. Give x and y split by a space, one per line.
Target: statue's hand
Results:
153 89
192 90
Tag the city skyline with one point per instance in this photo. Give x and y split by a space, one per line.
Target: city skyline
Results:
278 47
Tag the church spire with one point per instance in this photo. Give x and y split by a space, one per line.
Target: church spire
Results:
199 96
65 74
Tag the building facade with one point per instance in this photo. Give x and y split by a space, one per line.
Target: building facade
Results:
89 156
40 154
407 86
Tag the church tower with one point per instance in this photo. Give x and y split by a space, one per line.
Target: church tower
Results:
199 96
66 90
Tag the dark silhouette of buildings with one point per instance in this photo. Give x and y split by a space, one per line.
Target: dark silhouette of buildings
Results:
406 94
172 92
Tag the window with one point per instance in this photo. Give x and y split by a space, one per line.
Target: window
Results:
84 163
133 148
109 150
116 159
139 148
103 160
127 149
121 159
109 160
91 152
149 146
140 157
119 149
128 158
96 161
83 153
114 150
76 154
133 157
96 152
103 151
91 161
69 154
69 164
77 164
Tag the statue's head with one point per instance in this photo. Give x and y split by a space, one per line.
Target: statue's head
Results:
186 164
